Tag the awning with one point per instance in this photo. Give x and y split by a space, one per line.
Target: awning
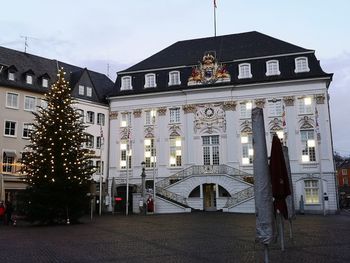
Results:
10 153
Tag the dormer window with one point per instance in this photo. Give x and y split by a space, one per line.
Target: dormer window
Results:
29 79
11 76
45 83
244 71
89 91
301 65
126 83
150 80
174 78
81 90
272 68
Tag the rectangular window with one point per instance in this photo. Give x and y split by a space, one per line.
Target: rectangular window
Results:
246 110
81 115
175 115
150 117
126 83
305 105
175 152
45 83
211 150
150 81
8 165
10 128
12 100
100 119
247 149
301 65
90 117
90 141
99 167
27 130
275 108
29 79
308 145
29 103
150 152
344 171
272 68
244 71
174 78
98 142
311 192
11 76
126 119
89 91
81 90
125 152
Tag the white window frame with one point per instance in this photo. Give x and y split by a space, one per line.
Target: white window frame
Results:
174 115
29 103
305 105
29 79
98 142
10 129
150 80
89 91
126 83
175 159
272 68
8 163
211 149
11 76
45 82
275 108
301 65
99 167
27 128
90 117
308 146
90 141
247 148
81 90
101 119
244 71
125 151
150 152
150 117
312 192
125 119
81 113
7 100
174 78
246 109
344 171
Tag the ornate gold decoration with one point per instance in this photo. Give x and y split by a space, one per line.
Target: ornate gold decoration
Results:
189 108
229 105
320 98
260 103
208 71
161 111
137 113
289 100
113 115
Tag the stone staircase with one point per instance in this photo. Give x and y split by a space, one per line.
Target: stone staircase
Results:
199 170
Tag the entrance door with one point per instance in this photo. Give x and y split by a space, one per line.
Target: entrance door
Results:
211 150
209 191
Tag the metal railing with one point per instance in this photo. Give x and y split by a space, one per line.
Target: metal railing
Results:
239 197
171 196
11 168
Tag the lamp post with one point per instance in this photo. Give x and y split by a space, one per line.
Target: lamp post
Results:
143 186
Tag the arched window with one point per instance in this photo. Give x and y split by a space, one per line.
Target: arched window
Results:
244 71
150 80
272 68
126 83
174 78
301 65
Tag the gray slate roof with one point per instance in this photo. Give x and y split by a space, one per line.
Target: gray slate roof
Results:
24 62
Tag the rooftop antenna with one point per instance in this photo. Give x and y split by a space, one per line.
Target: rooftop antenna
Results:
26 42
215 6
108 70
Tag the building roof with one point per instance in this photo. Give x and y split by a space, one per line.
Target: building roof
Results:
229 50
40 67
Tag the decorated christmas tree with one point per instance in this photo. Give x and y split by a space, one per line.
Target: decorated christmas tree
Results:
56 165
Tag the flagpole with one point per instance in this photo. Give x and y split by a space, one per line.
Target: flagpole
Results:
127 172
101 169
214 18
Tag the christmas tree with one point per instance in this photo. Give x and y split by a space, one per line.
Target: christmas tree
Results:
56 166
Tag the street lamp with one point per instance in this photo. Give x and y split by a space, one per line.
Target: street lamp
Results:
143 186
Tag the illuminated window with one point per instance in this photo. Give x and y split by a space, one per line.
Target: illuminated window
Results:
311 192
247 148
274 108
175 152
246 110
211 153
150 152
126 119
125 151
305 105
308 146
150 117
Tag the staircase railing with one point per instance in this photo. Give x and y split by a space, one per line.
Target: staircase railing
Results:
171 196
203 170
239 197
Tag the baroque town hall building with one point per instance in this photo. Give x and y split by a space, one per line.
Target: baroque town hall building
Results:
186 113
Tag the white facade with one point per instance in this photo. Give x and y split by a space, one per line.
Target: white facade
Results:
218 113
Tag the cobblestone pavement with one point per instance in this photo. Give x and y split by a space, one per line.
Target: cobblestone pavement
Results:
196 237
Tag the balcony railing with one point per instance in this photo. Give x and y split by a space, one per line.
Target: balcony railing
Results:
11 168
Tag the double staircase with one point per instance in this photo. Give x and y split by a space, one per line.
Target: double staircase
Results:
162 186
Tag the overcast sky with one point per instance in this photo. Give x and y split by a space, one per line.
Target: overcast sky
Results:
119 33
